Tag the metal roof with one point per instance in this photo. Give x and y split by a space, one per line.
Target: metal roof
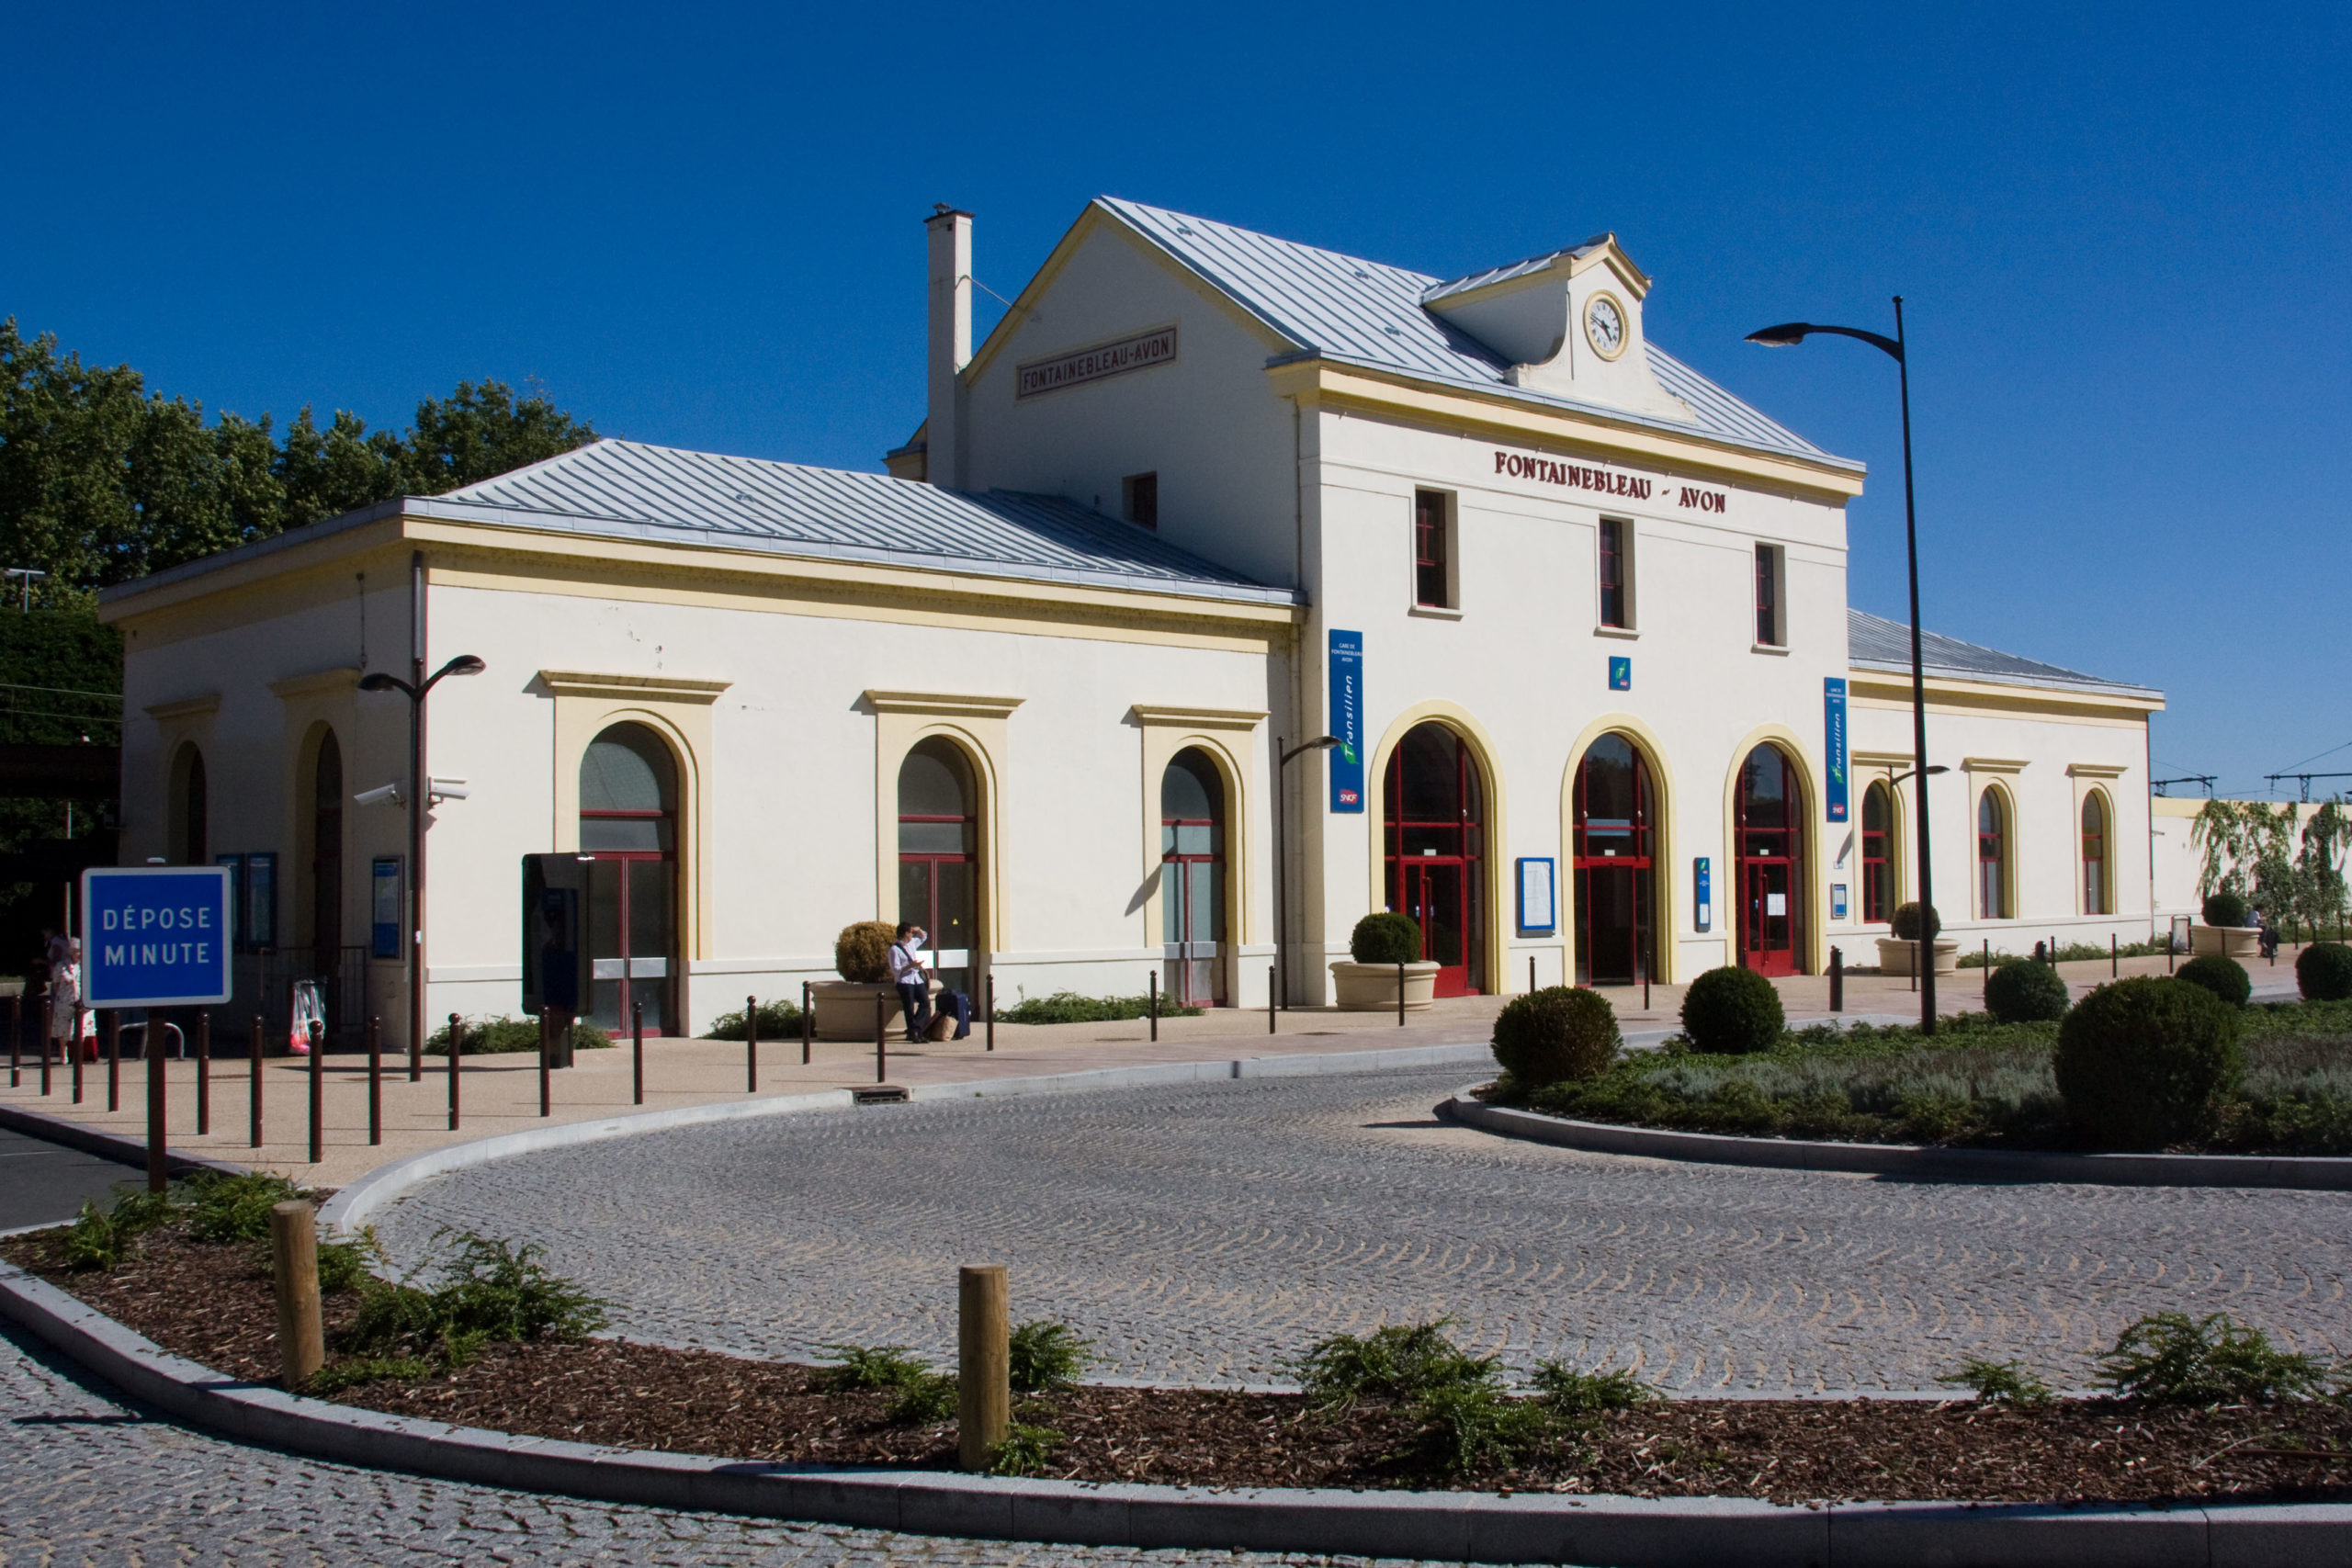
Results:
1369 313
1873 642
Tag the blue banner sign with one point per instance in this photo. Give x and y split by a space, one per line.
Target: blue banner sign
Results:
1702 888
1347 721
1833 702
156 936
1621 673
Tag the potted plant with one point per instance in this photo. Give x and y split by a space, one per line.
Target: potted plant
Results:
845 1007
1386 952
1916 923
2226 930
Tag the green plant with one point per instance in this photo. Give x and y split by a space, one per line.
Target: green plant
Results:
862 953
2023 993
1731 1011
778 1020
1047 1354
2226 977
2170 1358
2144 1062
1464 1425
1561 1032
1399 1361
104 1239
490 1291
924 1400
1573 1391
1998 1383
348 1263
226 1208
1026 1450
1069 1007
2225 908
1385 937
2323 971
922 1395
1906 922
360 1370
511 1036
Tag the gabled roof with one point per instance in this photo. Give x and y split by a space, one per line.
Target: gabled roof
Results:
628 488
1873 642
1368 313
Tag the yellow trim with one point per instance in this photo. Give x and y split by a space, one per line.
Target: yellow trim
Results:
979 727
1815 883
632 688
1994 764
184 708
1891 761
1495 839
1202 719
2084 793
2011 830
2097 769
1877 689
1167 729
1624 325
938 706
1666 931
319 683
1898 859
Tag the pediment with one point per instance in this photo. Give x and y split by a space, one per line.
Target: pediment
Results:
1531 313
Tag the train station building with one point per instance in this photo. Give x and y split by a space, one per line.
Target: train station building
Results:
1577 615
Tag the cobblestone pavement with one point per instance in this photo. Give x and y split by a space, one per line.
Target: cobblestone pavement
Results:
1204 1231
88 1480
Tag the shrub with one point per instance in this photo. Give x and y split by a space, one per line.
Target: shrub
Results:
1464 1425
1907 923
510 1036
2025 993
2143 1062
1556 1034
2323 971
2226 908
360 1370
1069 1007
924 1396
490 1291
102 1238
2173 1359
2226 977
1998 1383
862 953
1732 1010
236 1208
1385 937
1400 1361
1044 1354
1573 1392
1026 1450
779 1021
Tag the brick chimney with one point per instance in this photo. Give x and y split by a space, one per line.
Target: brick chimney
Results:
951 343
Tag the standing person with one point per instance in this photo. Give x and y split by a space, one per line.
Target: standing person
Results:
65 995
907 973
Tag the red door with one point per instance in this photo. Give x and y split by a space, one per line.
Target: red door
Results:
1771 862
1766 941
1436 833
1437 897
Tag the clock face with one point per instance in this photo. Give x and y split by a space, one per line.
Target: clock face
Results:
1604 325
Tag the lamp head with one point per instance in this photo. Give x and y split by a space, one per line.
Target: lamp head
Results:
379 681
1325 742
464 664
1938 768
1788 334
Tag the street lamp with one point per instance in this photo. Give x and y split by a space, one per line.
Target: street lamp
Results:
418 789
1282 862
1788 334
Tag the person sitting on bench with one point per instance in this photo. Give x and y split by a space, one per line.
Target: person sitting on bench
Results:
913 981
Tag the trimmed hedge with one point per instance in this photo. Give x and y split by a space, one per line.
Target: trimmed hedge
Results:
1732 1010
1907 923
2226 977
1385 937
2226 908
862 953
2323 971
1557 1033
2025 993
2146 1062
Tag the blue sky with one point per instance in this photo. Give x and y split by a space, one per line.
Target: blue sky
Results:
2121 232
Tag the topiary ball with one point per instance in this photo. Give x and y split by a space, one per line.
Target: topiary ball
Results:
2025 993
1385 937
2226 908
1558 1032
2226 977
1732 1010
1907 923
862 953
2146 1062
2323 971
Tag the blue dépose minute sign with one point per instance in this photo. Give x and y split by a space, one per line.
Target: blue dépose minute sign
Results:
155 936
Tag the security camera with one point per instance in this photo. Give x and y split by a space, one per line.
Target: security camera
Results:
382 795
449 789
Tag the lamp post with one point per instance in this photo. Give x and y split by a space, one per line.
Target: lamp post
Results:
419 788
1282 859
1788 334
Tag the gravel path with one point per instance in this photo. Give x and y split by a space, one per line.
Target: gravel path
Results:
1204 1233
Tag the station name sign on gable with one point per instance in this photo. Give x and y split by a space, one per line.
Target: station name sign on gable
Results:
1137 353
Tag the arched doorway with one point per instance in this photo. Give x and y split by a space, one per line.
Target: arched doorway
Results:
939 854
1616 891
1878 853
628 834
1436 853
1770 826
1992 855
190 808
326 856
1192 877
2096 898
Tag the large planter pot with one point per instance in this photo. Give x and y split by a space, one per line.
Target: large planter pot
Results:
845 1010
1371 987
1894 957
2230 942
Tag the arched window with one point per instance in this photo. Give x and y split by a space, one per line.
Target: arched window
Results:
1436 853
1615 878
2094 894
629 832
1993 856
1770 850
1192 875
190 809
1878 858
939 833
326 854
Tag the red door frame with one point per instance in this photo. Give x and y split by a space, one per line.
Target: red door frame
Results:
626 860
1466 831
1636 858
1180 868
1763 847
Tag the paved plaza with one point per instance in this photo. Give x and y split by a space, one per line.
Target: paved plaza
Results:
1204 1233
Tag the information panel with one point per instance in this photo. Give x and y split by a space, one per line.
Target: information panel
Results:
1833 703
156 936
1702 893
1538 895
1347 721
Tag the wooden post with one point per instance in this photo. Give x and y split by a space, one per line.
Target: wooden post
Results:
253 1073
114 1059
881 1049
318 1091
750 1044
294 1265
983 1363
158 1175
807 1022
204 1073
456 1047
1152 1006
375 1080
637 1049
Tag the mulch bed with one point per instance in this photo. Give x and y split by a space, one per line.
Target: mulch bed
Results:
212 1305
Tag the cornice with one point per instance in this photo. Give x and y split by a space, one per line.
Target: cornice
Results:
644 688
318 682
940 705
1173 715
185 707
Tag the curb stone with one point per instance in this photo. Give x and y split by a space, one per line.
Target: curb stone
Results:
2311 1173
1628 1532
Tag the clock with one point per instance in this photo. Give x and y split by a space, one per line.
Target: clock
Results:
1604 325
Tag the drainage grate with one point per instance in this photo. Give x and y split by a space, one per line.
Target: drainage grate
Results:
881 1094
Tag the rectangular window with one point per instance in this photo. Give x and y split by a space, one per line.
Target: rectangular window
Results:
1616 573
1772 622
1139 500
1432 549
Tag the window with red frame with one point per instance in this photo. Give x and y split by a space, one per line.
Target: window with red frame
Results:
1878 863
1613 607
1432 580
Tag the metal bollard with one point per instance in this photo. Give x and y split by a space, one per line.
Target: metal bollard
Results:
750 1044
1270 1014
808 1021
546 1061
1153 1004
41 1019
204 1073
983 1362
1400 993
74 1049
991 1029
318 1092
636 1050
881 1048
2114 957
375 1081
1643 960
1837 979
114 1059
15 1039
294 1269
1531 974
158 1171
457 1047
253 1071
